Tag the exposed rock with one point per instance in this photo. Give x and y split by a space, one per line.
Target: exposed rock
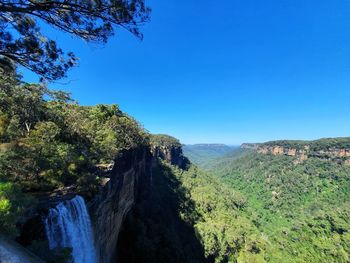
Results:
277 150
291 152
31 225
275 195
171 154
12 252
119 188
302 152
169 149
116 198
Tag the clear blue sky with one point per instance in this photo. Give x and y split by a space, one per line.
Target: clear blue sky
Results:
227 71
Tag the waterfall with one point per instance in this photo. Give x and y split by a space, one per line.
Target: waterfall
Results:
69 225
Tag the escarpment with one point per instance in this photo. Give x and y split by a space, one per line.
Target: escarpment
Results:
169 149
335 149
121 184
117 197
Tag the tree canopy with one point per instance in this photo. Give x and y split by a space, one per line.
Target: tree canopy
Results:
48 141
22 41
164 140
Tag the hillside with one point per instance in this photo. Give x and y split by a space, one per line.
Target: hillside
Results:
300 209
283 201
202 153
247 207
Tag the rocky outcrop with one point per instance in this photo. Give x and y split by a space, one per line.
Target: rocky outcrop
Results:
12 252
303 150
172 154
116 198
31 225
121 183
169 149
132 172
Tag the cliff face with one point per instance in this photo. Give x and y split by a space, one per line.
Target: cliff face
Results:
121 185
116 199
132 172
303 152
172 154
12 252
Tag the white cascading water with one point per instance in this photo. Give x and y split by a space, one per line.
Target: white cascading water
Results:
69 225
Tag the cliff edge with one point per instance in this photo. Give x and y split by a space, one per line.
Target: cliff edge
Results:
335 149
121 184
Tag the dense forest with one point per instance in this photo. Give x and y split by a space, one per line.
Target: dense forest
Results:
230 205
316 145
243 207
246 207
48 141
265 208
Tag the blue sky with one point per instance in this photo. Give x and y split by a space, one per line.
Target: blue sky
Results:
227 71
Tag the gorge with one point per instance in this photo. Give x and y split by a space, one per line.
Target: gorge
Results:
63 219
94 177
94 169
135 213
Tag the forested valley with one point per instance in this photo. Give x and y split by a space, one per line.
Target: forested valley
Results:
87 183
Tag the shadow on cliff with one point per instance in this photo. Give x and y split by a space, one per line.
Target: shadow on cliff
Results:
154 231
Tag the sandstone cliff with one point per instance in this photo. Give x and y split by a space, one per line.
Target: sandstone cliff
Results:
121 183
335 149
169 149
116 198
172 154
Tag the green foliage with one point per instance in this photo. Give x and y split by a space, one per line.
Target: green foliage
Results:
190 216
56 142
164 140
300 210
317 145
12 204
157 230
253 207
48 141
220 219
22 41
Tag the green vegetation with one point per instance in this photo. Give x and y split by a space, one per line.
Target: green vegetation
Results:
321 144
299 212
190 216
219 216
200 154
155 231
48 141
12 204
164 140
249 207
22 41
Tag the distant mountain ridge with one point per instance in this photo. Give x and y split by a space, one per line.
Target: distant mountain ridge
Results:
205 152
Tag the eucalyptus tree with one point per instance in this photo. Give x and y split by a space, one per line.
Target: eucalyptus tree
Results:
23 42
